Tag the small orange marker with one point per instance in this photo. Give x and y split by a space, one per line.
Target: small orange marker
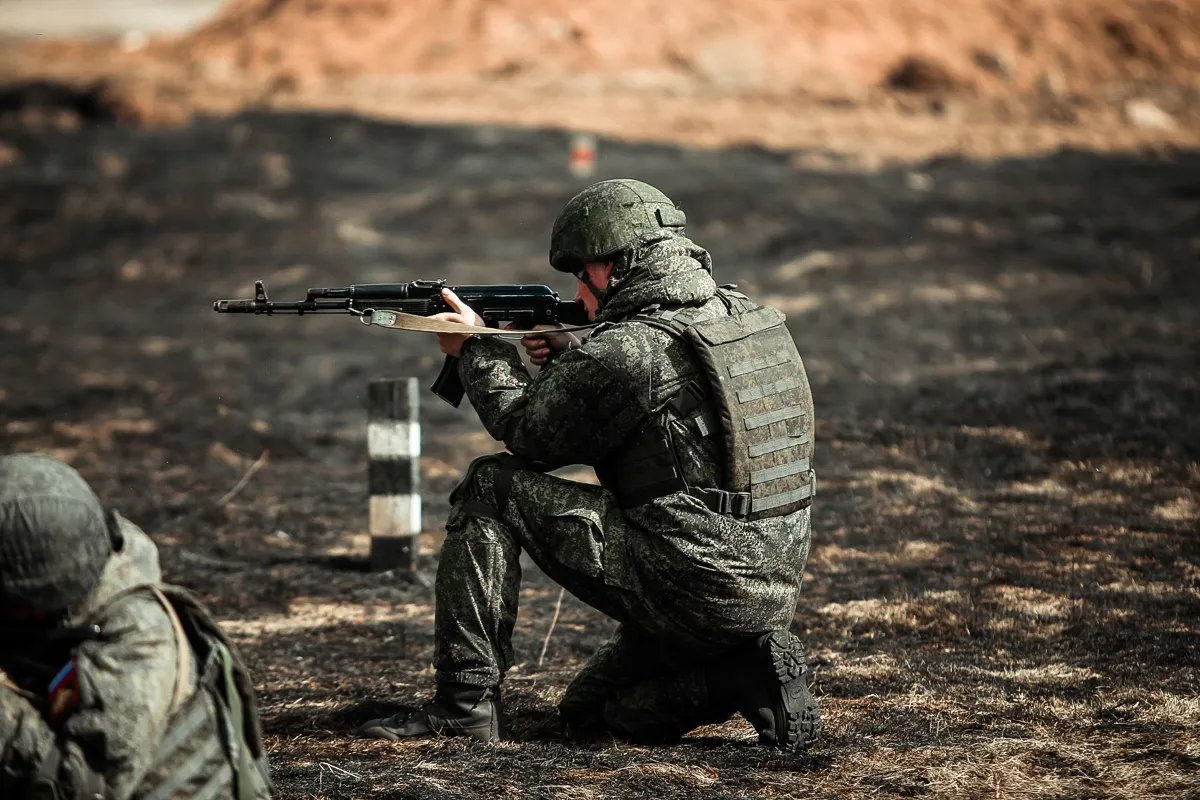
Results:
583 155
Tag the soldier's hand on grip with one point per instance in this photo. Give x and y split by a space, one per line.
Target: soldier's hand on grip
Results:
541 347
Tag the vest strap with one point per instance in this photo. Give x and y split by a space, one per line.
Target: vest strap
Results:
735 504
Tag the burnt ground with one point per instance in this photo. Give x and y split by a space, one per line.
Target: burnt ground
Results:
1004 589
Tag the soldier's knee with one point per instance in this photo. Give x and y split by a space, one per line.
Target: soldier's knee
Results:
479 480
483 490
489 481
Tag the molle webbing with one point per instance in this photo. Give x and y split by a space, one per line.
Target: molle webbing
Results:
758 384
773 445
766 407
759 392
752 365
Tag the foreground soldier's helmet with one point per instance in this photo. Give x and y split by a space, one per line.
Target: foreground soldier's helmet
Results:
609 217
54 538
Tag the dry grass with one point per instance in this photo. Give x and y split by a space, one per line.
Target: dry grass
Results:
1004 591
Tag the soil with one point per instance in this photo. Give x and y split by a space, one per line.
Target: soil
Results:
1004 587
983 222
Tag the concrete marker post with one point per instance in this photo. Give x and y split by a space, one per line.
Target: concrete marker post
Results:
393 473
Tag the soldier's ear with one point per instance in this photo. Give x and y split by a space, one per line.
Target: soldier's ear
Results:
115 538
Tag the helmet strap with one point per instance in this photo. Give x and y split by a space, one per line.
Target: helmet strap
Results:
586 280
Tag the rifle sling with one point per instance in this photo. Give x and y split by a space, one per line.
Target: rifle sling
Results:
398 320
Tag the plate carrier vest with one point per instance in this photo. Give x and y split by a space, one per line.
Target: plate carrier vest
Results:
754 374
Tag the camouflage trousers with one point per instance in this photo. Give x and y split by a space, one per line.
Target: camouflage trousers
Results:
643 683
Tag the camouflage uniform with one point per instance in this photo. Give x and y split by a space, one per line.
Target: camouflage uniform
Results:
128 719
686 583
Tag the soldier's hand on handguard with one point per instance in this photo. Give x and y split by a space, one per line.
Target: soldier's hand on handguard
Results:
451 343
541 347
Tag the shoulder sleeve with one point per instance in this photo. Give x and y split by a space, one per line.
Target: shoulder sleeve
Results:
575 411
26 741
107 713
126 687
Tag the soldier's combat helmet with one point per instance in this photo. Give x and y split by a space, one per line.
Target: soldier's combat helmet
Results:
54 534
609 218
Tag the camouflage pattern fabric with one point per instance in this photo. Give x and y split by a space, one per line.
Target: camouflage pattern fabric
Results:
106 739
670 571
644 687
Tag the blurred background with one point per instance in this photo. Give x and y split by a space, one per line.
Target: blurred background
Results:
982 219
900 78
132 18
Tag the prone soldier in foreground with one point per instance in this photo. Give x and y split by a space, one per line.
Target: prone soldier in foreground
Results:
692 405
113 685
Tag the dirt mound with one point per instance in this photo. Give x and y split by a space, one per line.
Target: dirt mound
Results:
756 45
906 80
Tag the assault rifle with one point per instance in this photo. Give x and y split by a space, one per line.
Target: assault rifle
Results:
524 305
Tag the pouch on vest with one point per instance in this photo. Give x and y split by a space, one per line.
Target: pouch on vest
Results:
647 469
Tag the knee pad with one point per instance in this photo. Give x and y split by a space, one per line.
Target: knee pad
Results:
484 489
478 480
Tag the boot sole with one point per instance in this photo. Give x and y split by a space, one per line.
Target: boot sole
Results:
801 716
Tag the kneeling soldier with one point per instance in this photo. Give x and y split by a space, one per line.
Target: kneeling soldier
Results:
693 406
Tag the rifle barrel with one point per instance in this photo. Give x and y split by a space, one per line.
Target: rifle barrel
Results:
271 307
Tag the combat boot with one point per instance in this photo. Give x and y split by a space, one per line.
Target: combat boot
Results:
768 684
455 710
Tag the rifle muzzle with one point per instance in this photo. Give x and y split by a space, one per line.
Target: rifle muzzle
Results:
234 306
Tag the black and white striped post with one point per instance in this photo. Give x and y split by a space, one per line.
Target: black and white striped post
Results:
393 473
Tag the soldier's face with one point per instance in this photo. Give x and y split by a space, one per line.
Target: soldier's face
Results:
598 274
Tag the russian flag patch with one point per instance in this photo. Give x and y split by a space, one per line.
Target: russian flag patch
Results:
63 694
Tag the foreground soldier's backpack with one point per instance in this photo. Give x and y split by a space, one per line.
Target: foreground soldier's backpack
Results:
756 380
193 758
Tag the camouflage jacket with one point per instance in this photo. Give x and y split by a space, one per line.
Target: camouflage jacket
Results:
711 574
100 733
